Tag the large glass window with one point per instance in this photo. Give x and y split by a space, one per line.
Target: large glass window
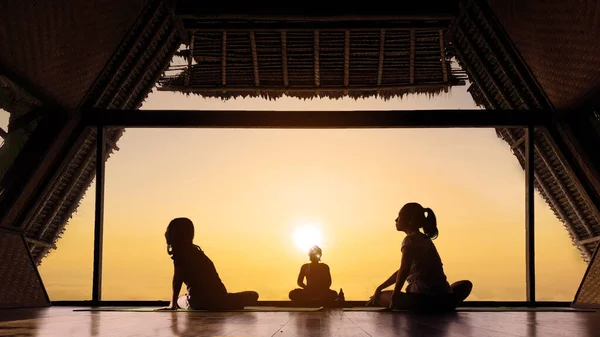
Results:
67 271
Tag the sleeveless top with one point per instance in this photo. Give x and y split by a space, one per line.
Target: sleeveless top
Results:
199 275
426 274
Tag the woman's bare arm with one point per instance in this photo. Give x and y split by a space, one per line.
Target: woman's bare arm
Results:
403 272
328 280
176 288
391 280
301 278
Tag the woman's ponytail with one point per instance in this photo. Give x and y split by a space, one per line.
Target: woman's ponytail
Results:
430 224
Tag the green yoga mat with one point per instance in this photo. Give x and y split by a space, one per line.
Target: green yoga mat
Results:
473 309
247 309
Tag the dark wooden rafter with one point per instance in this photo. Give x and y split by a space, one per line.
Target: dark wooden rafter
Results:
65 195
284 59
565 191
509 103
133 48
190 60
3 133
443 57
589 240
381 56
317 62
519 142
34 242
411 65
149 64
69 210
224 58
318 119
510 79
556 205
540 182
346 60
505 47
484 64
254 59
505 96
137 59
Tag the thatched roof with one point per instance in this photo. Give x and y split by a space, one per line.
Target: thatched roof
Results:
127 77
506 84
308 63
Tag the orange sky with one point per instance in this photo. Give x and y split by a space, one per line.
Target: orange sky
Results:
247 190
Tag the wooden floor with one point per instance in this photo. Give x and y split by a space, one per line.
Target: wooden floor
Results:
63 321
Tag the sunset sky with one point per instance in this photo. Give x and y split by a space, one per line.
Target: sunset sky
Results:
248 190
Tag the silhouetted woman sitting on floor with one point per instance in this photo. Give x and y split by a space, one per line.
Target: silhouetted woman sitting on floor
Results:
318 280
421 267
196 270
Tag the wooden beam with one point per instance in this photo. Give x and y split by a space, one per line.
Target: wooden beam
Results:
316 57
111 144
590 240
530 213
391 25
544 188
65 195
443 56
484 64
314 119
3 133
190 60
133 47
519 142
138 58
346 60
254 59
99 215
38 160
381 55
44 244
224 59
307 89
149 65
565 191
284 64
411 65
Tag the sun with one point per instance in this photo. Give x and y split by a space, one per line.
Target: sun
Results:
307 236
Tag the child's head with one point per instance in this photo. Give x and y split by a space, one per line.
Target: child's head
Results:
180 232
412 217
315 253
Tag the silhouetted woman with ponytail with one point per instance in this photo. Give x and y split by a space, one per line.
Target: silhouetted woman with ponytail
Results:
421 267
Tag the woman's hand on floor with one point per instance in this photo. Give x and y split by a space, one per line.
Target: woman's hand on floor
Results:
169 308
374 301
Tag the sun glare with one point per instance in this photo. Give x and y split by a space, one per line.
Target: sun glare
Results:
307 236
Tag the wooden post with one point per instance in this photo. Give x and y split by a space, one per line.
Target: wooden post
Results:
411 65
284 58
99 216
530 213
381 55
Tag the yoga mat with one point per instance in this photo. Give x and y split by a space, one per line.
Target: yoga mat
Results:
247 309
498 309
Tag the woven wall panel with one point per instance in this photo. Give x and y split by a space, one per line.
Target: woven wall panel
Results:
589 292
20 285
559 41
61 46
